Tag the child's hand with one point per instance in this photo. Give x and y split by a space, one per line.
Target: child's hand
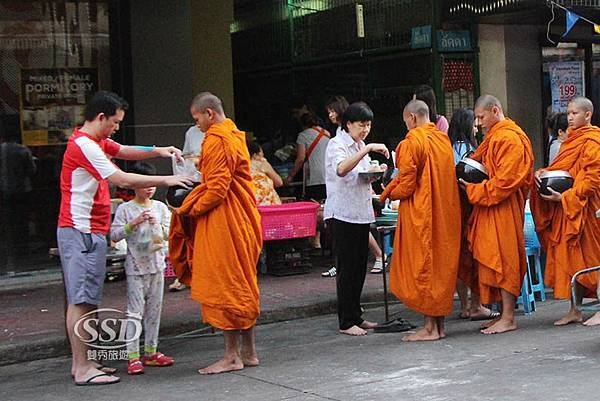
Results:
144 216
151 217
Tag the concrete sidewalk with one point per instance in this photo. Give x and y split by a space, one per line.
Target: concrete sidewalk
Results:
32 320
307 360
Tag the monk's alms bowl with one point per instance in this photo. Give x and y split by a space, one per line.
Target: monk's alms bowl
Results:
471 171
177 194
558 180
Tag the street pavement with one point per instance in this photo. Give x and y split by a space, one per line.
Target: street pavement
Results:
307 360
32 317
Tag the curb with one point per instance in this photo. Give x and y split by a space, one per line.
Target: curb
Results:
57 346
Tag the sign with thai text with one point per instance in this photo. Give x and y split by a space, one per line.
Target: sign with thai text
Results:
454 41
566 83
420 37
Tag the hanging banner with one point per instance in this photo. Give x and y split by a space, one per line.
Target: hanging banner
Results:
53 102
566 82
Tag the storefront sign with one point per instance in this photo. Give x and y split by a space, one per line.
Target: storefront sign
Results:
566 82
454 41
420 37
53 102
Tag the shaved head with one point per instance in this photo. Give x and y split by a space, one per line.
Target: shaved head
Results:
417 107
488 111
207 100
486 102
582 103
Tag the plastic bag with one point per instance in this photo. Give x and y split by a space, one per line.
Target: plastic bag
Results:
148 240
185 167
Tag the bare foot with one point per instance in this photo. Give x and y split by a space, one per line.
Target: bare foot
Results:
222 366
593 321
464 314
501 326
422 335
250 360
368 325
93 375
354 331
490 323
105 369
572 317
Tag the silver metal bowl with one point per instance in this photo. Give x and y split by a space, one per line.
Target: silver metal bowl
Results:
471 171
558 180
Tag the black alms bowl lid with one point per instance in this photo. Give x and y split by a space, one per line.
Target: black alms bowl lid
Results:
555 174
474 164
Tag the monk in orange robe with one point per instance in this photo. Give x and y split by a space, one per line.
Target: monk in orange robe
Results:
495 230
427 242
566 223
227 236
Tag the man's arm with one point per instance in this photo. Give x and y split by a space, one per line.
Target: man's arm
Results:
131 180
147 152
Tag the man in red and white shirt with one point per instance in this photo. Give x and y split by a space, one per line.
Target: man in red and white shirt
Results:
84 218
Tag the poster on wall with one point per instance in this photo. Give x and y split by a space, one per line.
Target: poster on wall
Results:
53 102
566 82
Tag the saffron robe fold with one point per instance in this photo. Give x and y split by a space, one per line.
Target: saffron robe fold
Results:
495 228
428 234
227 232
569 230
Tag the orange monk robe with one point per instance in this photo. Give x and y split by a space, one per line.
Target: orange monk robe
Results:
569 230
227 238
427 241
496 225
181 246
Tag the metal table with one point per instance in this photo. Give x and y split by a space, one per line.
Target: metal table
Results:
386 227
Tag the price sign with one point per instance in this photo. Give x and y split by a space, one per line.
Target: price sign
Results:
567 82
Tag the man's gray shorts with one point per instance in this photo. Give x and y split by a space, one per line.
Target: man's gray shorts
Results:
83 259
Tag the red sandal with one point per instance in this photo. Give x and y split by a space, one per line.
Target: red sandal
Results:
135 367
158 359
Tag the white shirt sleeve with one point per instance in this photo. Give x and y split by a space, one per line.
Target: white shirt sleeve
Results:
99 163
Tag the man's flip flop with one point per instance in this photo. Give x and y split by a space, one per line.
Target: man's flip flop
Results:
106 369
91 382
490 316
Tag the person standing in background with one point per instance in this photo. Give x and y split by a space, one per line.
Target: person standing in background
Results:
558 134
192 148
427 95
17 166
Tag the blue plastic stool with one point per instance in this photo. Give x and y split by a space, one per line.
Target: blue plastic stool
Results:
531 239
532 250
533 282
534 267
527 298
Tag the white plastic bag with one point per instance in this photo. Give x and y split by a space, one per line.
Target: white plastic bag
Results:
185 167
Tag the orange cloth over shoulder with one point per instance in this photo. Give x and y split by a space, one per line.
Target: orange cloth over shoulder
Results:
227 231
495 232
427 241
569 230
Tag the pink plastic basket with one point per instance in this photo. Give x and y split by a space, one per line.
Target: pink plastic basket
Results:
169 272
290 220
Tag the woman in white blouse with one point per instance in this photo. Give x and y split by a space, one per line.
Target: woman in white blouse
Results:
349 210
